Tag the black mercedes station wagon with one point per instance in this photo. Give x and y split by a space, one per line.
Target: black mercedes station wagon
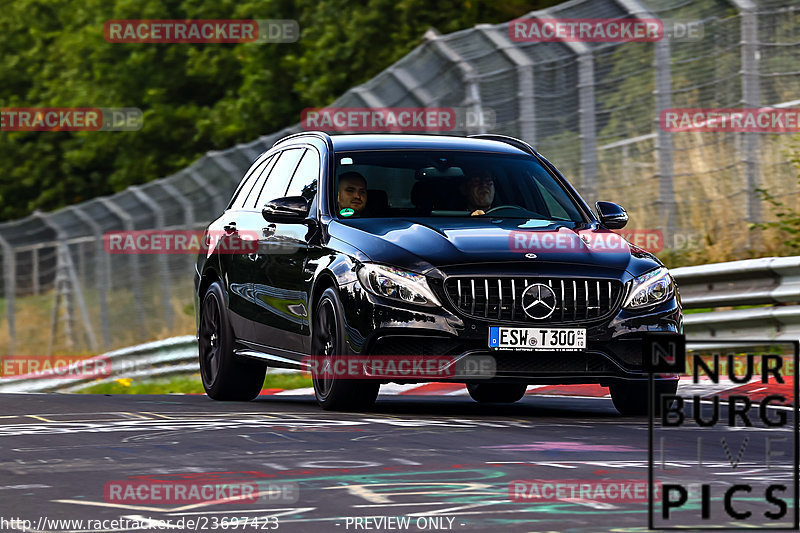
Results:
434 248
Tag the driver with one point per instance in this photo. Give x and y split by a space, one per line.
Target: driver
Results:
478 192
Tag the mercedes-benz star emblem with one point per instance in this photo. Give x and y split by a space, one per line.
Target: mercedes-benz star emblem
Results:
538 301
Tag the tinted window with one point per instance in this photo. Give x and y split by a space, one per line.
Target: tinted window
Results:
258 182
304 181
454 184
278 179
250 178
555 205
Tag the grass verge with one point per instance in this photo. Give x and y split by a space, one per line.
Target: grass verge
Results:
187 384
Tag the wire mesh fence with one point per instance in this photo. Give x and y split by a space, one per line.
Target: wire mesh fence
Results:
591 108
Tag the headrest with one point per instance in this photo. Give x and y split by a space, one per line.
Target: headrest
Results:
377 198
422 196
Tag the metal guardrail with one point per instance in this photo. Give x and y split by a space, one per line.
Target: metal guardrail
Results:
770 282
177 355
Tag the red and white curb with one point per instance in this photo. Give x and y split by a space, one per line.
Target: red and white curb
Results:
424 389
755 390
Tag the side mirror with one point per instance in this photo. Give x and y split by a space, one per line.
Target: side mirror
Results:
290 209
612 216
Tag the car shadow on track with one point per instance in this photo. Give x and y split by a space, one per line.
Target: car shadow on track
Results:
528 407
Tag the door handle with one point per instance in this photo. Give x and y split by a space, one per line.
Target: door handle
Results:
268 231
230 227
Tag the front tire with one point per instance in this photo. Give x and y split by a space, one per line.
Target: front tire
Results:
226 377
631 397
328 344
496 392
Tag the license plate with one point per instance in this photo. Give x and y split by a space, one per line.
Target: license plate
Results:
557 339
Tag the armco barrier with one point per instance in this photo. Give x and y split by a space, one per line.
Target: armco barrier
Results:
770 282
177 355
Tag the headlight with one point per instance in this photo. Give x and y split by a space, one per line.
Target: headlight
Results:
648 289
397 284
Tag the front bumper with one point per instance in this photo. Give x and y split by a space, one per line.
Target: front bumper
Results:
376 326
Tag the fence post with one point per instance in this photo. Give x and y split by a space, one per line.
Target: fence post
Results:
136 280
751 98
186 205
9 288
221 160
473 98
188 211
365 95
411 85
166 286
102 271
525 84
586 112
219 201
665 172
35 270
664 146
72 278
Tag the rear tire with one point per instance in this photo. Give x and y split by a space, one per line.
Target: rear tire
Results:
496 392
329 344
631 397
226 377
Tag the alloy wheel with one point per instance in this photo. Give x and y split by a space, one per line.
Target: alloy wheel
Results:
325 337
210 339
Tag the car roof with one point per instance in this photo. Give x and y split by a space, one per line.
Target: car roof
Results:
347 143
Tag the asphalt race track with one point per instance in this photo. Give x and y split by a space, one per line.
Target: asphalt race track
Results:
443 462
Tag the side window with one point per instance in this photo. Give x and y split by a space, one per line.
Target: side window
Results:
556 199
304 181
239 197
261 177
278 179
555 208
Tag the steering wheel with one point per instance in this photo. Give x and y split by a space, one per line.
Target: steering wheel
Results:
499 207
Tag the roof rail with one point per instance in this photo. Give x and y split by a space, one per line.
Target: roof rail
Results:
319 134
517 143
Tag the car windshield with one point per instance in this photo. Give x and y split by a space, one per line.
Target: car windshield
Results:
380 184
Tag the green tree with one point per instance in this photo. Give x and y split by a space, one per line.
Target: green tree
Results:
195 97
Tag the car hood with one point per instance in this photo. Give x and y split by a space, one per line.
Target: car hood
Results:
420 244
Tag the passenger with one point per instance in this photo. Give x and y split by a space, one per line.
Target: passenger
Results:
352 192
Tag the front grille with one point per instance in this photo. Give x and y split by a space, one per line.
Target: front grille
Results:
500 298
